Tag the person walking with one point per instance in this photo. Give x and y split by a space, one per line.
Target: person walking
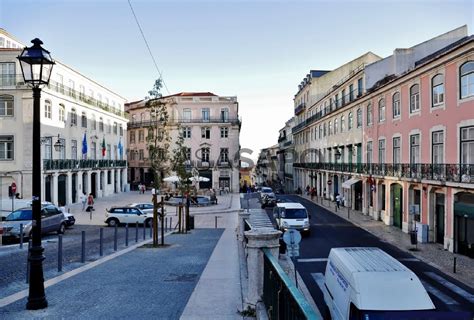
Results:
83 198
338 200
90 203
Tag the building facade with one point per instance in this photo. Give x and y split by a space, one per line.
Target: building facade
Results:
210 126
285 154
78 117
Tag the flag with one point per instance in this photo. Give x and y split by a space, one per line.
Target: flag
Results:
84 147
103 147
120 148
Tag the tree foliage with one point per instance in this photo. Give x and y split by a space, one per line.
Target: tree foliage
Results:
180 165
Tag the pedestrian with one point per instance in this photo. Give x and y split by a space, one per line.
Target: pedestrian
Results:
338 200
307 190
313 193
140 188
143 188
90 203
83 198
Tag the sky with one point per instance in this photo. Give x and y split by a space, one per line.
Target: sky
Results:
256 50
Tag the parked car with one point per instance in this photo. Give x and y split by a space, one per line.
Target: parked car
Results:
145 207
70 220
289 215
118 215
195 201
52 220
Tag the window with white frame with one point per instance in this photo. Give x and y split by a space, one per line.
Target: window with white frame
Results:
188 153
466 74
396 109
206 133
330 128
132 137
121 130
437 90
336 126
467 145
324 130
74 149
93 122
141 154
6 106
359 118
320 131
343 123
369 114
7 70
224 132
186 132
224 114
381 110
351 92
205 154
437 147
82 92
382 151
71 92
109 127
62 113
48 147
84 120
73 118
414 98
397 155
6 147
369 152
93 150
350 121
141 136
206 114
47 109
115 128
415 148
224 155
359 87
101 124
186 115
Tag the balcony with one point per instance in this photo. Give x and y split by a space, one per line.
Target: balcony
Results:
204 164
300 108
71 164
461 173
149 123
223 164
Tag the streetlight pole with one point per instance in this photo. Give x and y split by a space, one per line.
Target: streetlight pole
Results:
36 65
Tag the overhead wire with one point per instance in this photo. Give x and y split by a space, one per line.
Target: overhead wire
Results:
148 47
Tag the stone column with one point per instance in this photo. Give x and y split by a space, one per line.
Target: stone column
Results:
69 188
89 184
243 215
54 196
257 239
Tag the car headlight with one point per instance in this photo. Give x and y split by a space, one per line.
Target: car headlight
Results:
306 224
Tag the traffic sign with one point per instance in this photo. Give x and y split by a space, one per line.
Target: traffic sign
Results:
292 239
329 182
14 188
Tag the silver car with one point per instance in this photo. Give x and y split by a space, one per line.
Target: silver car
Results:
52 220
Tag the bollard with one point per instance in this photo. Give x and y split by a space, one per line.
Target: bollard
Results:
83 253
101 242
151 230
166 224
90 214
115 237
454 265
144 230
215 222
21 235
126 235
28 263
60 252
348 212
136 231
171 223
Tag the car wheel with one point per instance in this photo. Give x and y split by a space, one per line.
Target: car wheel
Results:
148 222
62 228
113 222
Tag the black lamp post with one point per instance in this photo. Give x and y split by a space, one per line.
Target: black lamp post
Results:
36 66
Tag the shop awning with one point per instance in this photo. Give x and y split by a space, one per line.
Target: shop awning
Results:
348 184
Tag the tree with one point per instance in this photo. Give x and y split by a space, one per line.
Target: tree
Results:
181 166
158 143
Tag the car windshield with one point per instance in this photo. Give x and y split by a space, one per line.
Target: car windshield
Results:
267 190
294 213
18 215
412 315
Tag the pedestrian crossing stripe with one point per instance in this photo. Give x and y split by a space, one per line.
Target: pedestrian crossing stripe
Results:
451 286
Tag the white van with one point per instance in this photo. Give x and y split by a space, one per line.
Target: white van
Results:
367 283
290 215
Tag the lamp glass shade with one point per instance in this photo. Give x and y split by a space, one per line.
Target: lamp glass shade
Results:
36 64
58 145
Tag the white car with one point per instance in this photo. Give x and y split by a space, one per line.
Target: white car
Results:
268 192
118 215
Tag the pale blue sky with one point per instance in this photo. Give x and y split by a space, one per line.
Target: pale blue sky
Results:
257 50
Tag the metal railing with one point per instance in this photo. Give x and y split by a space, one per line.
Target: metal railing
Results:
71 164
282 299
463 173
150 123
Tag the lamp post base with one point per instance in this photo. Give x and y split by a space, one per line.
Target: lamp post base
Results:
36 297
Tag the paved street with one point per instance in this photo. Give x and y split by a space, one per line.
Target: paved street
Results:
329 231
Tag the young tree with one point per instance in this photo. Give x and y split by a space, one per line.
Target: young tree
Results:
158 143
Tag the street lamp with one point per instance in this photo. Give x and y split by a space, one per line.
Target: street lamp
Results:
36 66
337 154
57 145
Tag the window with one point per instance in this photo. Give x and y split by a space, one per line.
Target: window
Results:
343 96
6 147
60 83
6 106
467 79
62 113
396 150
205 154
186 132
151 134
320 131
186 115
188 153
48 148
141 154
225 115
108 151
343 124
101 124
414 148
437 140
335 126
99 100
71 92
359 118
224 155
224 132
336 100
47 109
109 177
381 110
121 130
141 136
414 98
73 118
82 92
115 128
7 70
109 127
93 150
359 87
132 136
369 152
350 122
206 133
84 120
467 145
93 123
437 90
324 130
74 149
396 105
206 116
382 151
62 150
351 92
369 114
330 128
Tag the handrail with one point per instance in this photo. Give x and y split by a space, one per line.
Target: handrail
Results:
303 310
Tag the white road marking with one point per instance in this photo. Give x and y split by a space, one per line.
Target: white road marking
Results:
409 259
319 279
463 293
313 260
438 294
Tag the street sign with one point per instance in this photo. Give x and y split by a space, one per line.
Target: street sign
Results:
14 188
329 182
292 239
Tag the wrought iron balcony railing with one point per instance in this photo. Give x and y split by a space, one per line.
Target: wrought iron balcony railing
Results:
441 172
71 164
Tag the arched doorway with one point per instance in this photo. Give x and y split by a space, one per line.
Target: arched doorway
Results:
62 189
74 188
47 188
464 223
84 182
94 184
336 186
396 195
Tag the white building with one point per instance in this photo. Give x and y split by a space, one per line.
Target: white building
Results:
211 128
77 112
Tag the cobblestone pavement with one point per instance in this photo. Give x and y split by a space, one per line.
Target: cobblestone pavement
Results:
141 284
431 253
